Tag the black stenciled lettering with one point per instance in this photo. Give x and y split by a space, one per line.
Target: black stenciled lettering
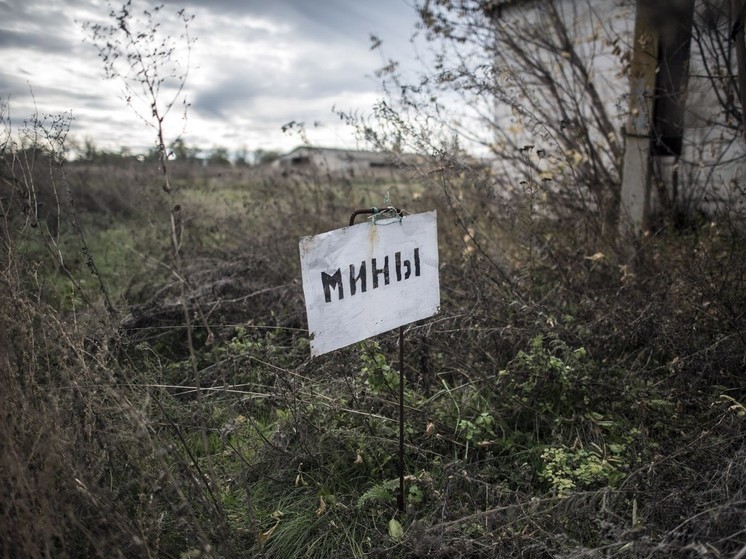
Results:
403 268
361 277
330 282
378 271
408 265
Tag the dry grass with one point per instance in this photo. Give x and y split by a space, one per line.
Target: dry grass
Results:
120 440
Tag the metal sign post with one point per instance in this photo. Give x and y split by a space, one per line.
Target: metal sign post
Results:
362 281
400 497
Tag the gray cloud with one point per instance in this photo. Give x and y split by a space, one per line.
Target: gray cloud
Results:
256 64
352 19
39 41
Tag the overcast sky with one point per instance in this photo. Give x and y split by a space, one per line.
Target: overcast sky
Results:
255 65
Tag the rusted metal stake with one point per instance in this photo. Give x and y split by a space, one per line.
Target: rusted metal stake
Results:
400 497
401 419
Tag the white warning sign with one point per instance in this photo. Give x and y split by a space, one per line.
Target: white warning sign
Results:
369 278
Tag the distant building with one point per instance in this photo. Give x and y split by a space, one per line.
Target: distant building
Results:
335 161
667 75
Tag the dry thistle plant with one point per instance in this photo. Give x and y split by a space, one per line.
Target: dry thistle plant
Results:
152 67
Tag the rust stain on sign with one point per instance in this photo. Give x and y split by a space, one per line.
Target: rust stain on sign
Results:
372 239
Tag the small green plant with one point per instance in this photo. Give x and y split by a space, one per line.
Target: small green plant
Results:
481 428
379 375
241 343
549 382
476 431
565 469
378 494
416 495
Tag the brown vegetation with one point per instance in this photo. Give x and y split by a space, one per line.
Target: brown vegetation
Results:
566 401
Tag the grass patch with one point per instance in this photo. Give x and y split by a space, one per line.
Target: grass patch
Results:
558 405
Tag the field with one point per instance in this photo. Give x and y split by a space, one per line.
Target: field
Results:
577 396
